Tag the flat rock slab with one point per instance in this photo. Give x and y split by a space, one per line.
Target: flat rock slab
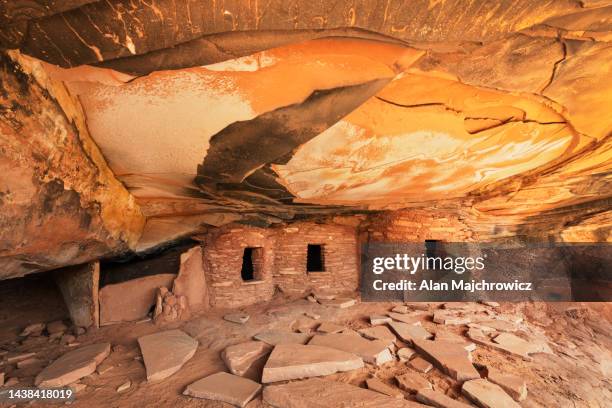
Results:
499 325
421 365
240 318
375 384
412 318
376 320
449 357
405 354
317 392
514 385
328 327
379 333
410 332
164 353
455 338
439 400
242 358
73 366
276 337
400 309
412 382
190 281
371 351
294 361
225 387
131 300
488 395
341 303
450 318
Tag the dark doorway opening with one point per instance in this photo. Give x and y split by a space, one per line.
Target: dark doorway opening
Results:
252 260
314 258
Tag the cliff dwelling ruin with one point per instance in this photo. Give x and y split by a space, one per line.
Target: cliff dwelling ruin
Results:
199 201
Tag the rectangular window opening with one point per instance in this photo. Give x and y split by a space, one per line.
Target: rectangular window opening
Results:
315 261
252 263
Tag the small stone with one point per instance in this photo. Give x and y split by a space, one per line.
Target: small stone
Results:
164 353
412 382
240 318
405 354
294 361
72 366
421 365
492 304
67 339
125 386
327 327
400 309
15 358
104 367
78 387
409 332
375 384
341 303
79 331
514 385
11 382
312 315
35 329
56 327
439 400
29 362
311 299
487 395
418 305
376 320
224 387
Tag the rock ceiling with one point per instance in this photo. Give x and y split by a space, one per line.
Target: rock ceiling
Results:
127 124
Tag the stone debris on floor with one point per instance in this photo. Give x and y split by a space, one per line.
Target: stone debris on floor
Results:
487 395
410 332
405 354
438 399
412 382
371 351
376 320
514 385
295 361
164 353
241 358
72 366
276 337
377 385
449 357
317 392
225 387
328 327
421 365
240 318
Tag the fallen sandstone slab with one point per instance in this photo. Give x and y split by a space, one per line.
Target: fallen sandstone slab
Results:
225 387
276 337
379 333
412 318
487 395
439 400
412 382
72 366
317 392
410 332
514 385
371 351
377 385
243 357
295 361
164 353
449 357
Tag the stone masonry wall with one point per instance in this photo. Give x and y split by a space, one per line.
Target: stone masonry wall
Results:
339 254
222 253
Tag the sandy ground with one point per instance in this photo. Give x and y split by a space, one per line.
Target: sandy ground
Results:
577 375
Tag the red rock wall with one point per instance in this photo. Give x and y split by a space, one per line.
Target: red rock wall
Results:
416 226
